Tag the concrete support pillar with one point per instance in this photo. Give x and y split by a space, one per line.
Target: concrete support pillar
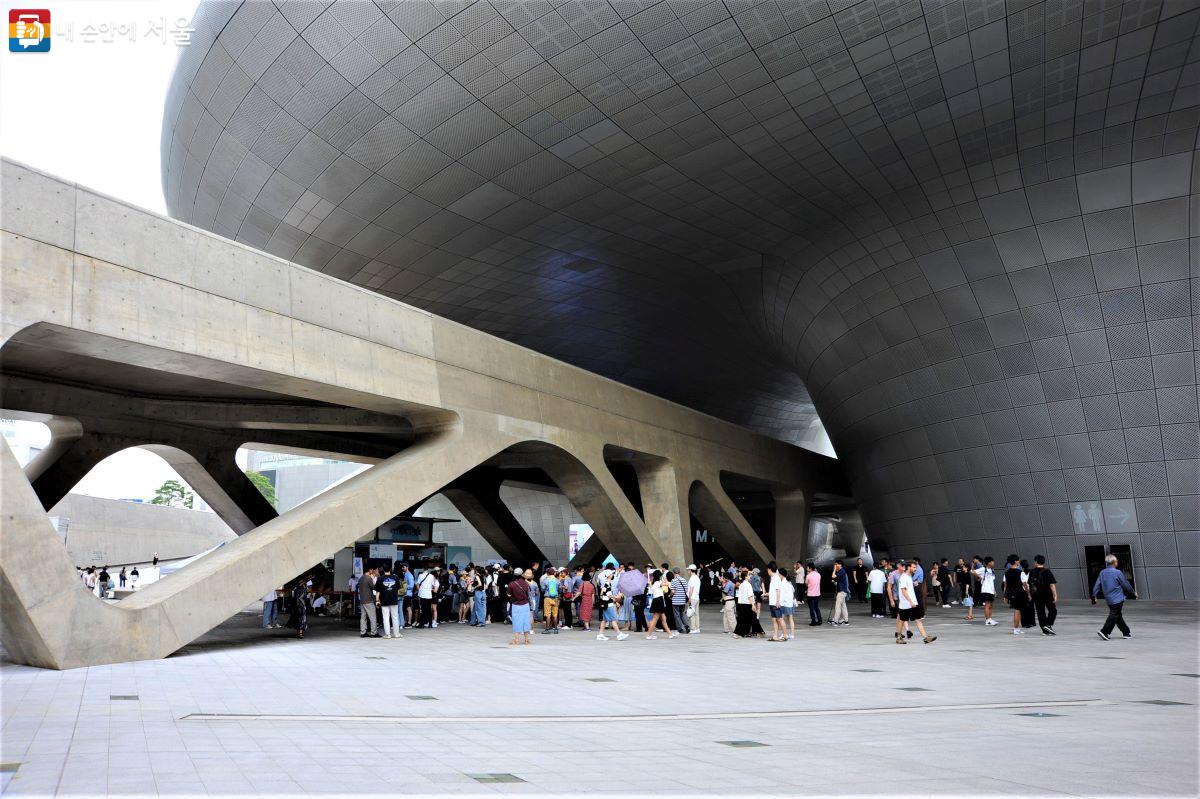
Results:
64 432
74 461
215 476
477 497
598 497
721 516
665 508
792 512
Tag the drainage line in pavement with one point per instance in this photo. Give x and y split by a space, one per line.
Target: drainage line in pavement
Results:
754 714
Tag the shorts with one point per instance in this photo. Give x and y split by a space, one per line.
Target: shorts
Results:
776 612
1018 601
609 614
909 614
657 605
787 611
550 605
987 597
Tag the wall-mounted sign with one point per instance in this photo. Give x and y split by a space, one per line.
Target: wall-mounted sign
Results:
406 531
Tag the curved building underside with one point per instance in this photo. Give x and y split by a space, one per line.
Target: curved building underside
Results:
959 236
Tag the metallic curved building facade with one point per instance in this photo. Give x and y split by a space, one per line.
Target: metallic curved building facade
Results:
959 236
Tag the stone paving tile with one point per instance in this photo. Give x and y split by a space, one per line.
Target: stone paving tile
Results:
72 738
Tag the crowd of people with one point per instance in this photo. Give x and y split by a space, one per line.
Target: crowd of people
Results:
102 583
626 599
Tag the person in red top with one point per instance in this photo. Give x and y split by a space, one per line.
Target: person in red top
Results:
587 596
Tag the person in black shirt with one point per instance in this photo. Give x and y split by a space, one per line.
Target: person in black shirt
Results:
1015 591
858 581
388 589
1045 595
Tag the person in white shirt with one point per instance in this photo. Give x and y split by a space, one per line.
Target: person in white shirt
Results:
693 600
876 580
775 602
787 601
987 588
427 586
909 607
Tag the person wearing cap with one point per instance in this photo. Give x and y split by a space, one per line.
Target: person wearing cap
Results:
519 596
693 600
679 601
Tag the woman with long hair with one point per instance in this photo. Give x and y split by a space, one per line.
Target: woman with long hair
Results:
587 597
658 604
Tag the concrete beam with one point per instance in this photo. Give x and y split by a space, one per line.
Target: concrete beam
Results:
665 501
792 513
721 516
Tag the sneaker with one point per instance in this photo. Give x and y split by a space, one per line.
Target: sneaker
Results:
651 637
364 635
693 632
601 637
1047 632
901 641
622 636
1017 632
556 631
672 635
991 622
397 636
1051 629
945 606
1127 636
1102 634
434 625
387 637
546 632
929 639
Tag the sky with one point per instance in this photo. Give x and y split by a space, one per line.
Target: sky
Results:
90 111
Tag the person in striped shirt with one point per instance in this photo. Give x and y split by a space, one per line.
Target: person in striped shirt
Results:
678 603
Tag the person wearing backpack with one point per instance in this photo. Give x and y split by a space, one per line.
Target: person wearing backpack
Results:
566 592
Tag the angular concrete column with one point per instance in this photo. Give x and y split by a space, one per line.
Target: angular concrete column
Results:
215 476
477 497
56 478
721 516
792 512
48 619
665 508
64 432
598 497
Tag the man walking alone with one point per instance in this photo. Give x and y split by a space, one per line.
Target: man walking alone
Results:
1045 595
841 588
1112 585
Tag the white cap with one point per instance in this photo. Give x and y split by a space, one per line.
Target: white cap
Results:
691 567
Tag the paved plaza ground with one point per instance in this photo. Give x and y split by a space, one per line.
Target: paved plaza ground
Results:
456 711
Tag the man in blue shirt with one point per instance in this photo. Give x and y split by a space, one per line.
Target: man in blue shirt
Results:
410 583
1112 585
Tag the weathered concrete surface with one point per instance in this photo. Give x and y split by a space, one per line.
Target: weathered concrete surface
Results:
90 280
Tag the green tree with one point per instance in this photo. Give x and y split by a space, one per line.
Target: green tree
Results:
263 484
174 494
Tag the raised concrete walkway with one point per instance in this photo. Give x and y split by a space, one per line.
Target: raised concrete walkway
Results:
147 329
